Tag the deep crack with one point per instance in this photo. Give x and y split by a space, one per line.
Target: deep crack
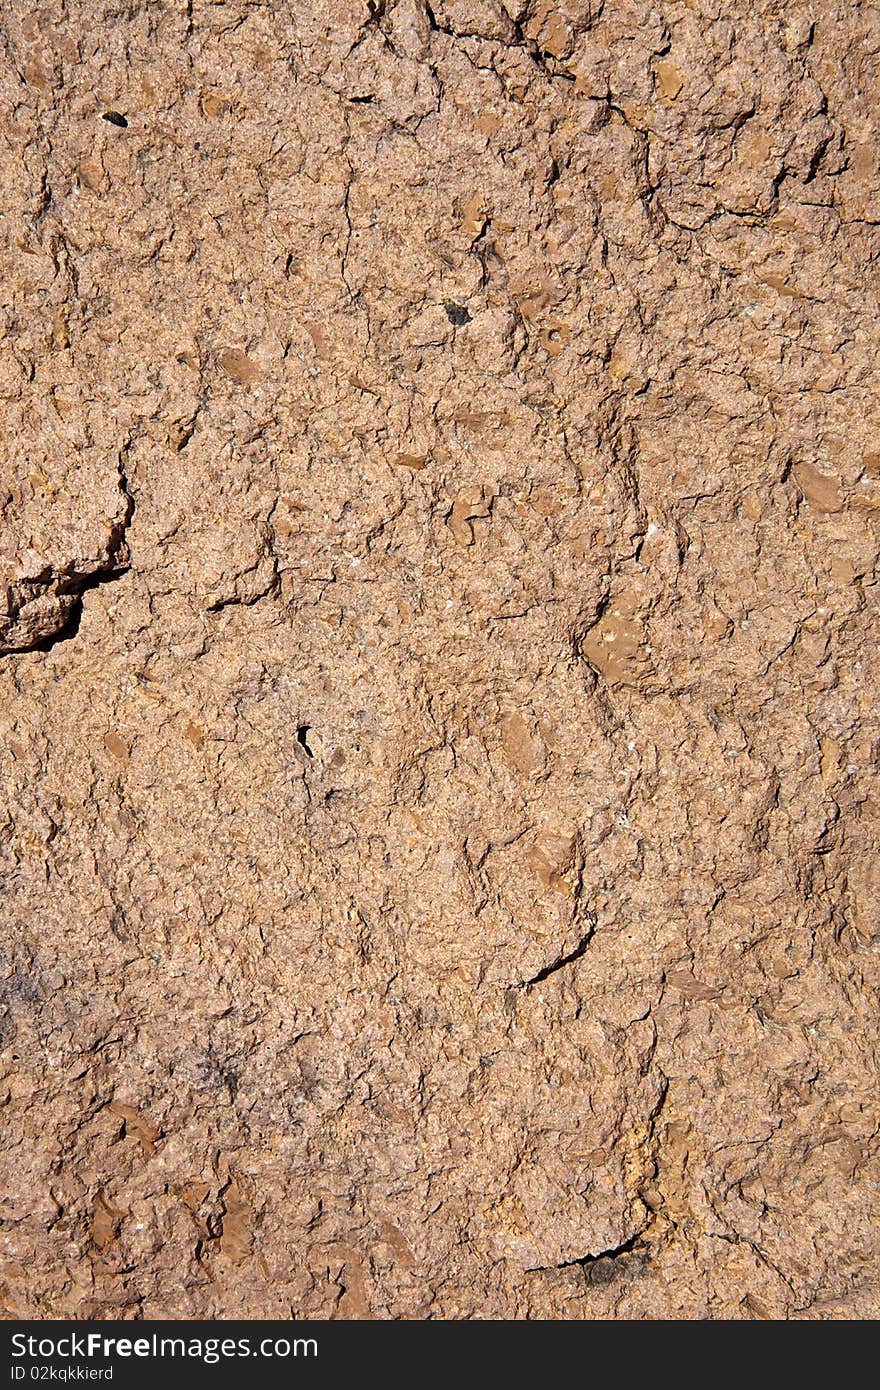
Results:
75 586
579 950
585 1262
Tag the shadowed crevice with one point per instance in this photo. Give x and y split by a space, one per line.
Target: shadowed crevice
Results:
76 586
579 950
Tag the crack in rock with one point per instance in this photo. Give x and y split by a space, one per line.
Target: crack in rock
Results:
561 961
588 1263
46 609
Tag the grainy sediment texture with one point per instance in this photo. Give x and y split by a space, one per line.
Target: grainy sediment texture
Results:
440 494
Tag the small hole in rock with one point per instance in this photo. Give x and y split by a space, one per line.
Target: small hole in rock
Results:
115 118
302 738
456 313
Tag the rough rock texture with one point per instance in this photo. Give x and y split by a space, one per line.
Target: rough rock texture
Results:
439 516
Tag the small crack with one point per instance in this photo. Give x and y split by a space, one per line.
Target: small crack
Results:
579 950
523 44
76 586
586 1261
270 591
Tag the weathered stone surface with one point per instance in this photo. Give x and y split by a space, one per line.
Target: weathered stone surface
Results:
438 735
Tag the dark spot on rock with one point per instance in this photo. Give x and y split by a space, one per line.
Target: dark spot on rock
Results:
602 1272
115 118
23 986
302 738
456 313
607 1268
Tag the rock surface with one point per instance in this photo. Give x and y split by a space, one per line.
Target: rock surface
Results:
438 736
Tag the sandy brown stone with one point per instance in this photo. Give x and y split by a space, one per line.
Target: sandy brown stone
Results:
438 646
